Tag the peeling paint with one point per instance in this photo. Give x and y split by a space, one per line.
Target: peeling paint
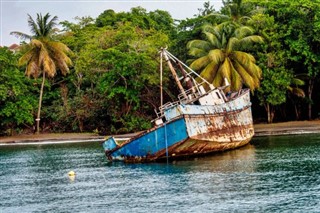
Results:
196 130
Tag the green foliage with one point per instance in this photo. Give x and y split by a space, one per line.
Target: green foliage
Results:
116 69
274 86
128 76
17 101
113 86
293 43
130 123
276 78
159 20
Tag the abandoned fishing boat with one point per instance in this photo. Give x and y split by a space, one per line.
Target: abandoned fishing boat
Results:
202 120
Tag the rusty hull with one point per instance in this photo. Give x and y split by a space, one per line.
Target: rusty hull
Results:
191 130
188 148
213 137
194 148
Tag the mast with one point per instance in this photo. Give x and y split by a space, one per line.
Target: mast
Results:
161 89
174 73
187 79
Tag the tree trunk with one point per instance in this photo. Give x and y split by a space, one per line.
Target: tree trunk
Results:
268 113
272 112
40 101
310 88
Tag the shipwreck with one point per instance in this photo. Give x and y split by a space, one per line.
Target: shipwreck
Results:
203 120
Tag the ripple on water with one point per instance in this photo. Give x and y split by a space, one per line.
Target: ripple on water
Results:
277 174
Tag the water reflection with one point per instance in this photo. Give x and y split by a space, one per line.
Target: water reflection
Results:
238 160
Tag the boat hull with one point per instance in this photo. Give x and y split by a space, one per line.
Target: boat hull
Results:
146 145
193 148
193 130
184 147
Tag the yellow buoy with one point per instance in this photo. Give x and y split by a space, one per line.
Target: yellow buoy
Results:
71 173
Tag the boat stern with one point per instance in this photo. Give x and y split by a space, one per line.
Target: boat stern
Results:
109 144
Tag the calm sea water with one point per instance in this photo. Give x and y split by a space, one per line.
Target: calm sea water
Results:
272 174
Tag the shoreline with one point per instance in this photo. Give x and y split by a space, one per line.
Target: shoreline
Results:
287 128
261 130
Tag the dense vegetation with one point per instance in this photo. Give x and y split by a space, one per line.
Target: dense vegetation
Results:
272 47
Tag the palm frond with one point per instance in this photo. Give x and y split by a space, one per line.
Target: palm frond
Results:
252 69
208 28
196 52
244 19
221 17
225 69
21 35
25 58
49 67
232 44
218 80
210 72
236 80
247 79
243 31
199 63
296 91
59 46
47 63
51 24
42 27
247 42
32 69
200 44
59 51
216 56
256 74
214 41
36 43
224 41
243 57
33 26
245 61
297 82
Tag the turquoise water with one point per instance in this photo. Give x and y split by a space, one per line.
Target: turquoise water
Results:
272 174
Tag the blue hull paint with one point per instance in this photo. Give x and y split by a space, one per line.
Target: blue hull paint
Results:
148 143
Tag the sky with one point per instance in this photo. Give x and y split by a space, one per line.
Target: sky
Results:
13 13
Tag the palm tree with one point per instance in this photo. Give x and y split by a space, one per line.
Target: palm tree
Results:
44 55
235 11
220 56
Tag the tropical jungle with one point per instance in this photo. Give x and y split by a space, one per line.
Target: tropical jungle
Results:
102 74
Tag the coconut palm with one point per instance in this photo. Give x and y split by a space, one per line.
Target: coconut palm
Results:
222 55
43 54
235 11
